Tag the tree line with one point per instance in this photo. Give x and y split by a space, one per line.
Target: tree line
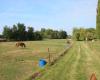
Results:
19 32
81 34
53 34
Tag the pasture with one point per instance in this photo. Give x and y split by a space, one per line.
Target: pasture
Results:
19 63
78 64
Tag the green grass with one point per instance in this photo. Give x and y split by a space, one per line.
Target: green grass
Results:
20 63
78 64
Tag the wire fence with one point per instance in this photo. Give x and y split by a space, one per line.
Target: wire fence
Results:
53 61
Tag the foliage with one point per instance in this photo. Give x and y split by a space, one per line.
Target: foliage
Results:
82 34
7 33
53 34
90 33
37 36
1 36
30 33
98 20
19 33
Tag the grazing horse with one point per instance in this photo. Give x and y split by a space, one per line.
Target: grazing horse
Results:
20 44
93 77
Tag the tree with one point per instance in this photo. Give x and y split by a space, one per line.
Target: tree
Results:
30 33
18 32
49 33
1 36
37 36
55 35
7 33
14 32
82 34
98 20
76 34
62 34
21 32
90 33
43 32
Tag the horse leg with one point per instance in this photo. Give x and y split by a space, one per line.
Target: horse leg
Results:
24 45
16 45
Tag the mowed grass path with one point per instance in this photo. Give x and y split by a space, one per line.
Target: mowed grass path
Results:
78 64
20 63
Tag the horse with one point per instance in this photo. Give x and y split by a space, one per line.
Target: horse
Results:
93 77
21 44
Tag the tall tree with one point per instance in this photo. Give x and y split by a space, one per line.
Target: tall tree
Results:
48 33
37 36
30 33
81 34
76 34
98 20
15 32
43 32
90 33
7 33
21 31
55 35
62 34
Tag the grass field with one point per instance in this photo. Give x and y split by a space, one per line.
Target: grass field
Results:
20 63
78 64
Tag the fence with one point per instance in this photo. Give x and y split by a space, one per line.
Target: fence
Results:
56 58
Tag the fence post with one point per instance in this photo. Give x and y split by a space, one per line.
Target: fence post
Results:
49 56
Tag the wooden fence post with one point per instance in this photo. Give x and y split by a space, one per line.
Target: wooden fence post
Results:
49 56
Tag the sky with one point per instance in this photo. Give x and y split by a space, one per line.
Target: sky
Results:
54 14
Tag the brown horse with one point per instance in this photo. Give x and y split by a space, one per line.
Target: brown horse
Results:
93 77
21 44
